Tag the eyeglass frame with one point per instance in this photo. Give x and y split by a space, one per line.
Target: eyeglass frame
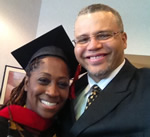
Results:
102 40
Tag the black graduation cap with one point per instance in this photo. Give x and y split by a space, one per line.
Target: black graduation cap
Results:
54 43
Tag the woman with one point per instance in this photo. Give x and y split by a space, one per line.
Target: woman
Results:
49 63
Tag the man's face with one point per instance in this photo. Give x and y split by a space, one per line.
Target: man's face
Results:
100 58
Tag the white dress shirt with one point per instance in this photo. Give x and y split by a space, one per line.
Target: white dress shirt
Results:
80 102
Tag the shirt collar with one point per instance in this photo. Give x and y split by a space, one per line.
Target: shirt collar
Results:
104 82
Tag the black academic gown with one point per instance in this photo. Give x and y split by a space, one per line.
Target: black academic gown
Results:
5 130
121 110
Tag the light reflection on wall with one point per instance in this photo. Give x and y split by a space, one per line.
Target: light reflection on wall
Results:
4 31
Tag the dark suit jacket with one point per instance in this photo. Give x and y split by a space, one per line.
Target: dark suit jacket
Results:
121 110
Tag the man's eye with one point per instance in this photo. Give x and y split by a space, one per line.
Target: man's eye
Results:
44 81
83 40
103 36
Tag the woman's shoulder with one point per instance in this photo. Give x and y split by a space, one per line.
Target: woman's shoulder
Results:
3 126
3 121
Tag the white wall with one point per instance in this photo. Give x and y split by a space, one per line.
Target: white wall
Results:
135 14
18 25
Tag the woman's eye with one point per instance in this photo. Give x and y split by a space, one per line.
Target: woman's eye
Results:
63 85
44 81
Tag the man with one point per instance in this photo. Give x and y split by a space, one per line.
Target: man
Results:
122 106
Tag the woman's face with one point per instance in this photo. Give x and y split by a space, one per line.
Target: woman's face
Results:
48 87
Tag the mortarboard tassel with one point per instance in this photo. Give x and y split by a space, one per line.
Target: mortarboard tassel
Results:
72 87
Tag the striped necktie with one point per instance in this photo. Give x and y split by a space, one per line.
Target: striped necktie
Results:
95 91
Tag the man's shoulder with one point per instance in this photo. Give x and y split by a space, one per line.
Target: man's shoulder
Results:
143 76
144 71
140 71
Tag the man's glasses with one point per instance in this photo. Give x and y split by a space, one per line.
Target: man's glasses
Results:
101 37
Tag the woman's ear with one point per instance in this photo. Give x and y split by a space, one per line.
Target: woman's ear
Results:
26 83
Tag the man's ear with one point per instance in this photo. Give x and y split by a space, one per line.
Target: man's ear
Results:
124 38
26 83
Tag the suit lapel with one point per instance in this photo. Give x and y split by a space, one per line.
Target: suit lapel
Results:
79 87
109 98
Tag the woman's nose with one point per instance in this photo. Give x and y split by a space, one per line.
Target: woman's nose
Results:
52 90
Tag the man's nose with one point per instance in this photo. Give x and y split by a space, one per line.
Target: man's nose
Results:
93 44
